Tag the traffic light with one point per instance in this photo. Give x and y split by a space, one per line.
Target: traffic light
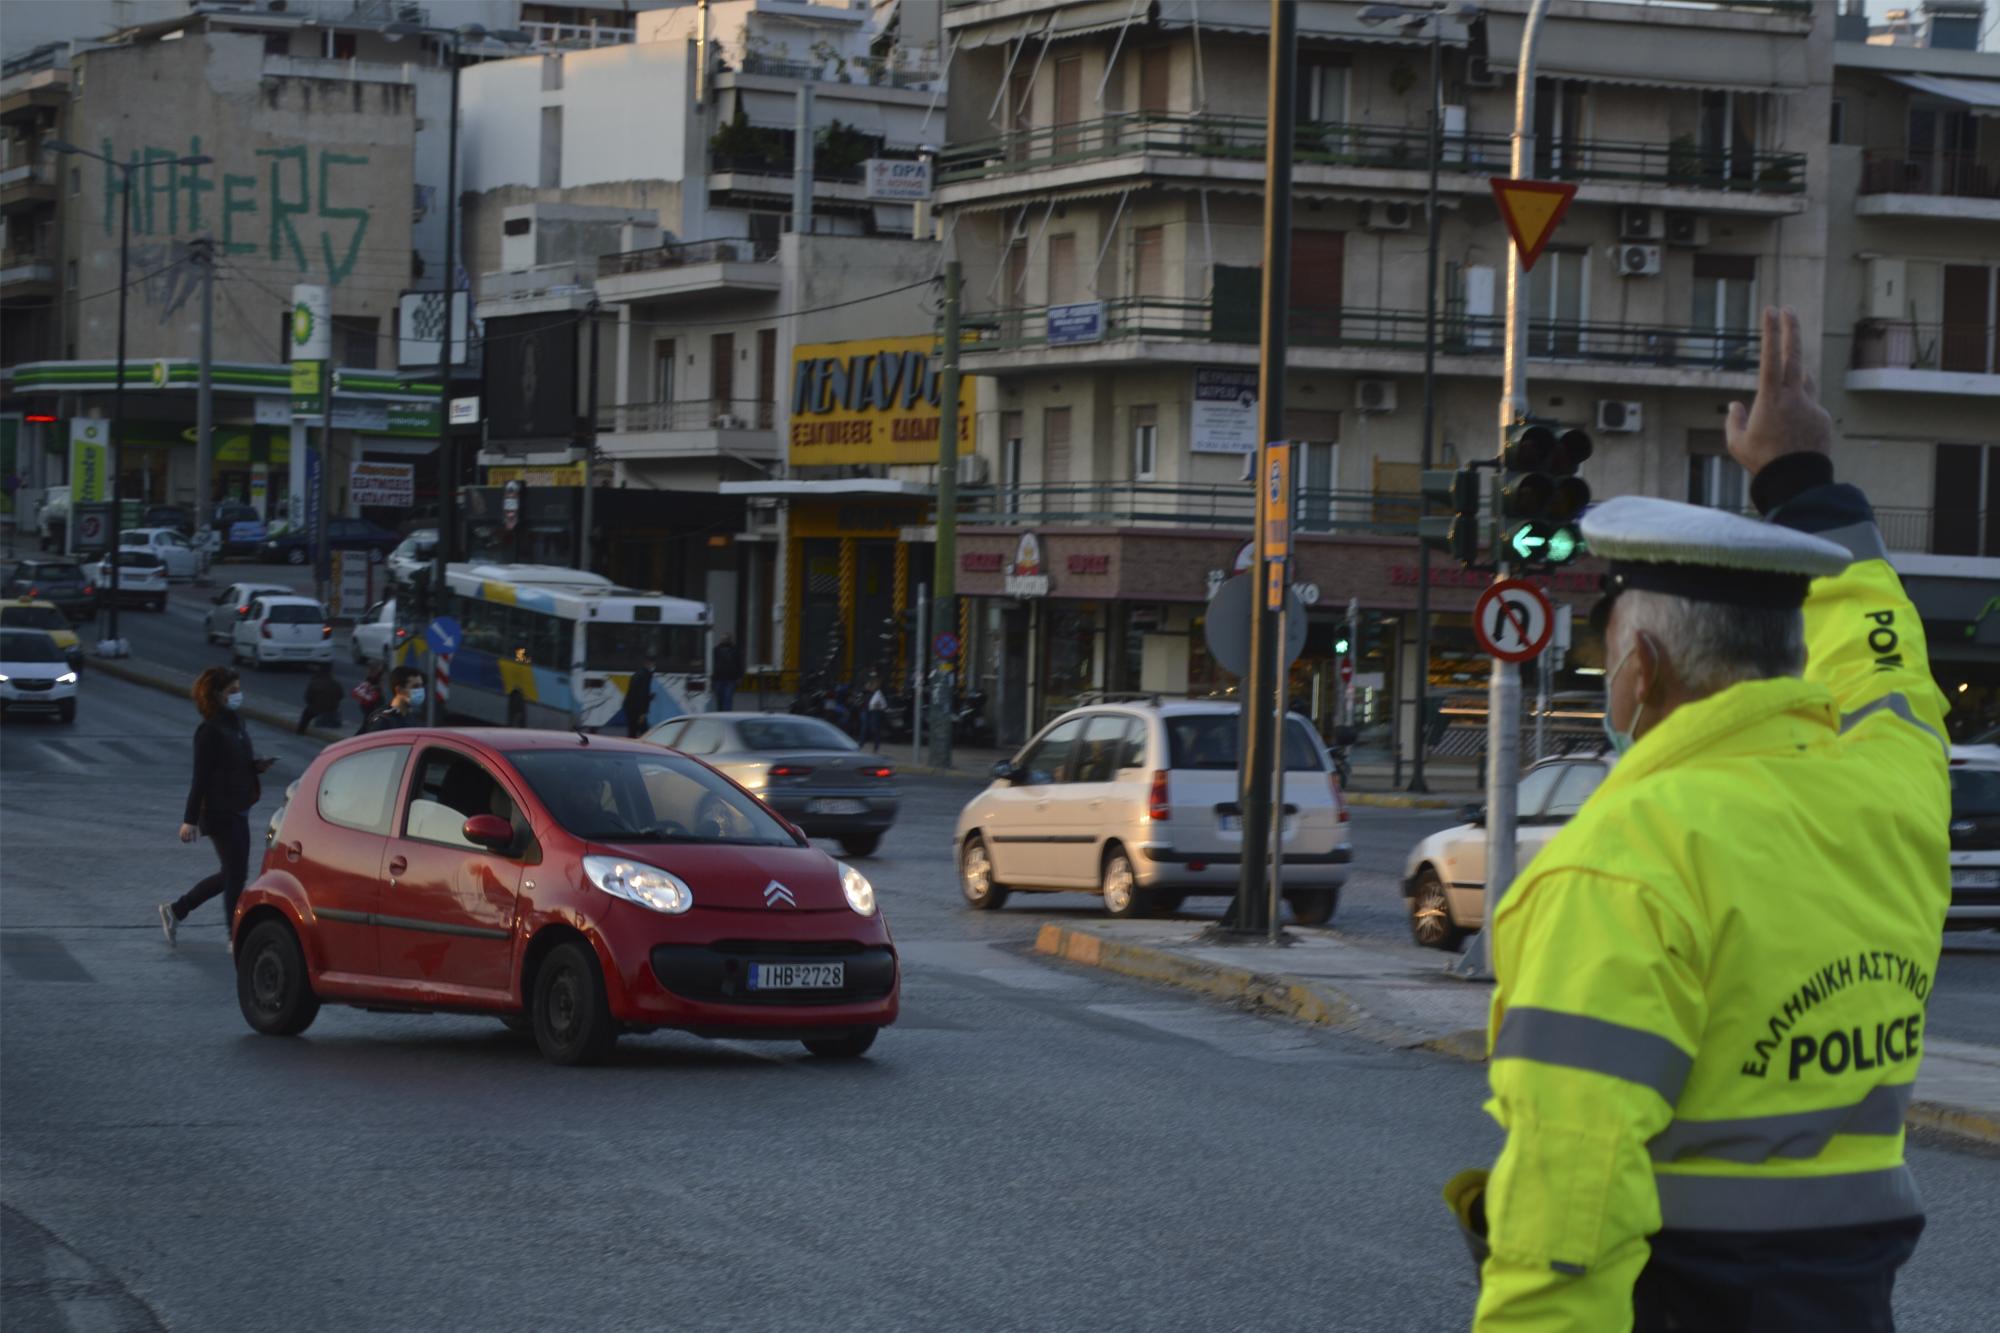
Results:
1540 494
1340 646
1456 534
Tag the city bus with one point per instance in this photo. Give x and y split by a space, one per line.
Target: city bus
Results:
545 646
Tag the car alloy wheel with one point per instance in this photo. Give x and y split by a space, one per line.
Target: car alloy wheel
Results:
1120 887
975 877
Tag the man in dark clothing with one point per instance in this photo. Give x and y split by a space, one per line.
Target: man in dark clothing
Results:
406 695
323 695
639 699
725 668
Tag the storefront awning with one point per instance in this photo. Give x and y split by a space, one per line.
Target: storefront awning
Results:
1981 96
1316 22
1072 20
808 490
1661 53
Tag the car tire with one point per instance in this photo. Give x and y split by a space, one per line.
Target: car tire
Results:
66 710
1118 884
296 556
861 844
272 985
850 1047
975 877
1430 914
1313 907
572 1016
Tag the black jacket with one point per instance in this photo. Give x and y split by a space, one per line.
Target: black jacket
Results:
323 695
387 718
726 663
639 694
225 771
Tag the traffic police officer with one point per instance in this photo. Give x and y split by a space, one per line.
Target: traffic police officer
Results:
1711 984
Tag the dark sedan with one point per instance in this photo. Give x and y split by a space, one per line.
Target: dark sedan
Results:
62 582
807 770
342 534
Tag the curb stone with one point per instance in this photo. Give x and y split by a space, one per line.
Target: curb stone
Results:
1326 1006
1392 802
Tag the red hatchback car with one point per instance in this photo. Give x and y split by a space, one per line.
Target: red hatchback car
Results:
576 888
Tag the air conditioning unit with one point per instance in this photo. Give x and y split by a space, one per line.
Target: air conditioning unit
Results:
730 421
1375 395
1617 418
973 469
1639 224
1639 261
1687 229
1387 217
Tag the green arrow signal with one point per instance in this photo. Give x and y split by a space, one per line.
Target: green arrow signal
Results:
1528 541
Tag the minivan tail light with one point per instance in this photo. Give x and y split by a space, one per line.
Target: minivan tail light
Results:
1339 804
1156 800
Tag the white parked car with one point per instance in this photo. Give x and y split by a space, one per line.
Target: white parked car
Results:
1445 875
413 558
142 579
376 633
282 629
1138 803
174 550
35 676
1975 840
231 604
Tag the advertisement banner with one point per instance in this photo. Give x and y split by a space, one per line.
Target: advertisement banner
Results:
420 328
89 444
872 401
1224 420
312 323
352 585
889 178
549 474
310 519
308 388
370 483
531 377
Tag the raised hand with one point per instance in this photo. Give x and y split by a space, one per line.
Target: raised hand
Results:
1786 418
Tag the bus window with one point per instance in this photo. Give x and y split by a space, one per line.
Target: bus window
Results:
674 648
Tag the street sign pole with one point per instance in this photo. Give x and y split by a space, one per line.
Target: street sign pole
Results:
1503 705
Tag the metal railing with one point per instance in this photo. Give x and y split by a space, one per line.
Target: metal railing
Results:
682 254
29 173
868 71
1327 143
689 414
754 164
561 279
1906 344
577 36
1180 504
1954 175
1180 319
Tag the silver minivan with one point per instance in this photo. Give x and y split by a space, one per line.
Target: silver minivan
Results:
1138 803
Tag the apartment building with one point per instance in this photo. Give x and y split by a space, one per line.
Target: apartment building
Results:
1911 369
1103 185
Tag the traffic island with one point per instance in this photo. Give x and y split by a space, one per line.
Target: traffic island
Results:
1401 996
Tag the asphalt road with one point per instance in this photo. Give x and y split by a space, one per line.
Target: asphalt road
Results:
1032 1147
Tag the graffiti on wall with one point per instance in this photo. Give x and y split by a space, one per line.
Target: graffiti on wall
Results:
297 206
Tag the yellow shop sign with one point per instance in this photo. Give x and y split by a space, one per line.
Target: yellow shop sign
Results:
873 401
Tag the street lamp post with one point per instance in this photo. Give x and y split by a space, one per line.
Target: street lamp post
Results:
111 645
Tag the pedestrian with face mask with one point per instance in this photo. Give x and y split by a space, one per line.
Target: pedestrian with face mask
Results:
406 696
225 784
1709 1010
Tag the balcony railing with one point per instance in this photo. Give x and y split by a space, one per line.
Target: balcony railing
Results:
682 254
870 71
1354 145
29 173
1176 319
1955 175
756 164
1904 344
689 414
1178 504
577 36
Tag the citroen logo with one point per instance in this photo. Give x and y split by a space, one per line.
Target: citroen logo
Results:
775 893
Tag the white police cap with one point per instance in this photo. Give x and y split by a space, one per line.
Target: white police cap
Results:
1705 555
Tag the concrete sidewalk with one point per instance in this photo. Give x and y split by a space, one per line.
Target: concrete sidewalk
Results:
1401 996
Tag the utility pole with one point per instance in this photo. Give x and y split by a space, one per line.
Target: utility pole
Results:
1503 699
447 543
1426 447
204 408
1251 915
589 441
944 576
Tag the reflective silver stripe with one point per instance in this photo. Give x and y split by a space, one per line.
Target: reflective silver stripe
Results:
1895 703
1581 1042
1800 1134
1863 540
1786 1203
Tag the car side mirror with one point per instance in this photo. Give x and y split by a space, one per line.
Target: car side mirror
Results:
489 831
1005 771
1475 813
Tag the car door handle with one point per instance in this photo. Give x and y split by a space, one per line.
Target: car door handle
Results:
397 865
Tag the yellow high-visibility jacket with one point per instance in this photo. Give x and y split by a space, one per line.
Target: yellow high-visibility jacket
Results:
1711 984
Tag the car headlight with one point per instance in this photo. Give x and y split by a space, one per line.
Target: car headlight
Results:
860 893
3 678
648 886
66 678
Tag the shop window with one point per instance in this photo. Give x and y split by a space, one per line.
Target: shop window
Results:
1145 443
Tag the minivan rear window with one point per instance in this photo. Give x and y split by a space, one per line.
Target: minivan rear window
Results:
294 613
1211 741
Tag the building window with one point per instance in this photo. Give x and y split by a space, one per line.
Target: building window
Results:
1837 128
1725 302
344 46
1728 135
1156 79
1145 443
552 128
1965 500
1062 270
357 341
663 371
69 275
1316 470
1322 91
277 43
1561 108
1010 462
1558 296
765 229
1966 338
1149 261
76 180
1055 446
552 75
1714 478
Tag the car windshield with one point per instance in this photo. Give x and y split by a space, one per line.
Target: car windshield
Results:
792 733
1975 792
618 796
295 613
32 617
28 647
1209 741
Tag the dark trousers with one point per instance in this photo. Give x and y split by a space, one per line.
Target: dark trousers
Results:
871 728
231 836
329 717
725 695
1806 1281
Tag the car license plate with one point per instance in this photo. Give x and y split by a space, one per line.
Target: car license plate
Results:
832 806
1234 824
1975 879
798 976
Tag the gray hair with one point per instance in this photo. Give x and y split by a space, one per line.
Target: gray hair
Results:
1712 645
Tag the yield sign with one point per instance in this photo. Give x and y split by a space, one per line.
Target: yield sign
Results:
1531 210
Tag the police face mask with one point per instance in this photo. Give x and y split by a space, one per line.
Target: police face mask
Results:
1621 741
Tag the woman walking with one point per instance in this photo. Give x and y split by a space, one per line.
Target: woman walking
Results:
224 787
